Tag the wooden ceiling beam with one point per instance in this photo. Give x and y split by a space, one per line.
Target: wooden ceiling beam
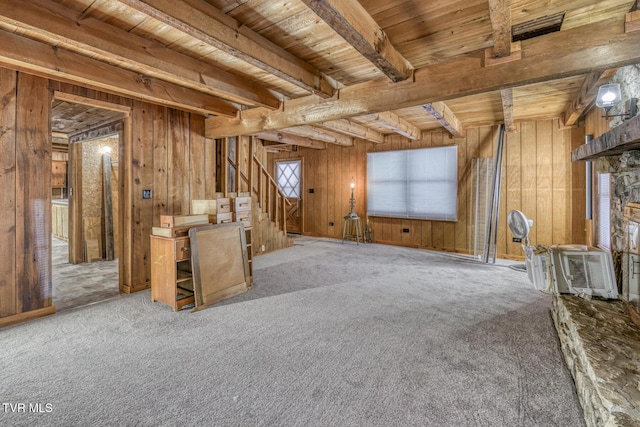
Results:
204 22
507 109
40 59
396 124
51 23
500 14
288 138
354 24
552 56
586 94
320 134
353 129
443 114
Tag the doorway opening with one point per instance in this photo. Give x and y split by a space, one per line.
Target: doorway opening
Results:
86 142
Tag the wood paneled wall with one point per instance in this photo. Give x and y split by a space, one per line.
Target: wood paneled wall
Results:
538 179
25 199
164 150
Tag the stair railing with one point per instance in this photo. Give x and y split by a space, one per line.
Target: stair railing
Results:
271 198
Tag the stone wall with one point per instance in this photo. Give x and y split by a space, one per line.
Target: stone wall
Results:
624 169
601 347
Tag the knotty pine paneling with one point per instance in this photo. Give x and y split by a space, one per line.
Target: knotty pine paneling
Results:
538 178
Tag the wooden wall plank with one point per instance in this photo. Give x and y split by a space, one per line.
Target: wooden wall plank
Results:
322 197
561 188
544 184
210 168
331 185
198 162
33 193
461 227
473 152
160 163
529 174
341 176
142 209
8 87
179 198
513 177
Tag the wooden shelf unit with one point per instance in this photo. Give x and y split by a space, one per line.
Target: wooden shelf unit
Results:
171 277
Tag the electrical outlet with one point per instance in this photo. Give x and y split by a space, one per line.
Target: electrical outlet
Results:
147 194
262 248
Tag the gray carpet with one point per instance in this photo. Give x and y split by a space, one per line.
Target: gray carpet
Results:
331 335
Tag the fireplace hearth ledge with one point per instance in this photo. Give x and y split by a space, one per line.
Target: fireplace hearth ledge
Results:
601 346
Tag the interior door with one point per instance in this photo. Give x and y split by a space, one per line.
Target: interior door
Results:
289 179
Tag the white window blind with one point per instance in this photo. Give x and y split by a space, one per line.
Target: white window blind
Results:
421 184
604 210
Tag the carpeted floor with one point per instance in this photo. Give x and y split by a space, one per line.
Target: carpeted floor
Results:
331 335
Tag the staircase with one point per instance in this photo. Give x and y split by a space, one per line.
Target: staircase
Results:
269 210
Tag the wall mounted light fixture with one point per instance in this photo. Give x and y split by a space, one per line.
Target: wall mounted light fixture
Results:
609 96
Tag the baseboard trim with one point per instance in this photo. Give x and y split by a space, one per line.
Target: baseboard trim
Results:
27 315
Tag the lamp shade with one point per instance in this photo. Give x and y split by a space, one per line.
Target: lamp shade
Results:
608 96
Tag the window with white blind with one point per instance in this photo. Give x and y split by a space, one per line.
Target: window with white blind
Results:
420 184
604 210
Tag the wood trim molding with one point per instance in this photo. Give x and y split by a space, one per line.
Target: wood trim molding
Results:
27 315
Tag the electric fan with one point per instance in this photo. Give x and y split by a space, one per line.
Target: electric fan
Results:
536 263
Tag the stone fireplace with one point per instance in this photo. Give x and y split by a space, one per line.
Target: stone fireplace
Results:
600 339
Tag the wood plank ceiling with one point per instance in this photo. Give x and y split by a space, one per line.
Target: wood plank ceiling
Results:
330 70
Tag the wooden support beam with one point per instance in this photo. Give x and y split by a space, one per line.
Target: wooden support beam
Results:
552 56
206 23
277 147
441 112
288 138
491 59
56 25
351 21
354 129
500 14
323 135
397 124
507 109
632 21
586 94
39 59
53 24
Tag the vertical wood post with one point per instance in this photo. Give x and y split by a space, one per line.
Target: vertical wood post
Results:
108 206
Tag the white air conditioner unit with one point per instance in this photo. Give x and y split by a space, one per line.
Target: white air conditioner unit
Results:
565 269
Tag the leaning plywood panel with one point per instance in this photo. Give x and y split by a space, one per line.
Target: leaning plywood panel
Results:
220 262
